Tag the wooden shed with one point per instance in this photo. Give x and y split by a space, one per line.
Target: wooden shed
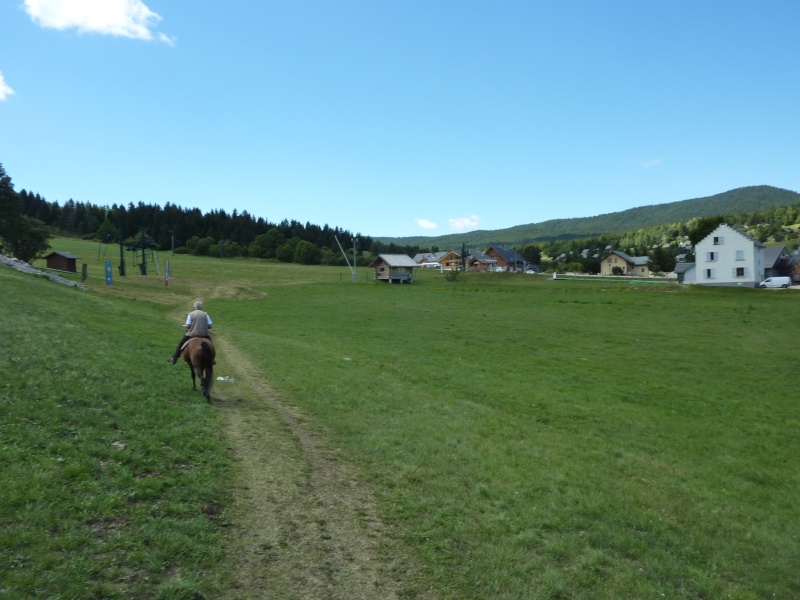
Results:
394 268
62 261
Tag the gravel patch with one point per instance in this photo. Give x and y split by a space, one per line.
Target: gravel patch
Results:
23 267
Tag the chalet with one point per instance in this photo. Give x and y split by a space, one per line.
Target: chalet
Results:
619 263
478 261
62 261
428 257
451 261
507 258
728 256
394 268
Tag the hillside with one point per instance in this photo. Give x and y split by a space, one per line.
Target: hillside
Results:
746 199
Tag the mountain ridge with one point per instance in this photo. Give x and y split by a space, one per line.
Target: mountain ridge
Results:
743 199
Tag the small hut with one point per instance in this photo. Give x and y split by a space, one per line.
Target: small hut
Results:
62 261
394 268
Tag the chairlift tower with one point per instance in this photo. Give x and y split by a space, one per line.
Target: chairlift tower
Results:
353 266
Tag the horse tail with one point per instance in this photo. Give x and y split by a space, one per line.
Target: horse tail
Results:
208 366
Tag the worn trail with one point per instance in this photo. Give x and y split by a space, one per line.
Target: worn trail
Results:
302 525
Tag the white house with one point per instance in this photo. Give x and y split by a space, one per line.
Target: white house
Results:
727 256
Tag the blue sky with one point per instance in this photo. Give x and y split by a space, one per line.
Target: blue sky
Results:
399 117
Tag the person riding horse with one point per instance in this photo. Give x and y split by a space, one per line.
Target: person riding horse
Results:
197 324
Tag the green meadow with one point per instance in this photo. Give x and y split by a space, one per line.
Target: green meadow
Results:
524 437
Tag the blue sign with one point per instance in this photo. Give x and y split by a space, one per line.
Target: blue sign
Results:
108 272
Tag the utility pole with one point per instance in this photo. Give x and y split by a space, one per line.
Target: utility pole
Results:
121 255
143 266
355 265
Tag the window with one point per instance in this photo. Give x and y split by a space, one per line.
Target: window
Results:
718 241
740 255
708 273
741 272
712 256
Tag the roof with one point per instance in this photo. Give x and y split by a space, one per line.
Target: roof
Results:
394 260
508 254
736 230
639 261
481 257
64 254
772 254
683 267
428 257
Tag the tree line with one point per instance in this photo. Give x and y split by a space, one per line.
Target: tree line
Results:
184 230
28 221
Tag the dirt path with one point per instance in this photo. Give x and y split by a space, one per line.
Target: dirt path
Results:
302 525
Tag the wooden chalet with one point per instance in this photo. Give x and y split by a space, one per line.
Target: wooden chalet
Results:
62 261
478 261
451 261
506 259
394 268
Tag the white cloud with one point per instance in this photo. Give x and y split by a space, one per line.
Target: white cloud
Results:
468 222
125 18
5 91
425 224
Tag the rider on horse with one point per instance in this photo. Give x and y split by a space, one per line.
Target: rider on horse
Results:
197 323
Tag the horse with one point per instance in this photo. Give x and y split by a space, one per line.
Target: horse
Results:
199 354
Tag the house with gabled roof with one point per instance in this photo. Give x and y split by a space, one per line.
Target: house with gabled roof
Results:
62 261
428 257
451 261
394 268
479 261
507 258
728 256
685 272
778 262
618 262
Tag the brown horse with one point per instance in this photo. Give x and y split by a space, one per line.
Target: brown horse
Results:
199 354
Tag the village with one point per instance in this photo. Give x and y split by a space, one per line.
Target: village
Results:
726 257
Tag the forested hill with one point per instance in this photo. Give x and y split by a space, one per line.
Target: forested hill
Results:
741 200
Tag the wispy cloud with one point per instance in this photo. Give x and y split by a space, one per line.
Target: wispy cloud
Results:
5 91
124 18
168 40
425 224
648 163
468 222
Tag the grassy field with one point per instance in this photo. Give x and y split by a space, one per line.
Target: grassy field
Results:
530 438
114 479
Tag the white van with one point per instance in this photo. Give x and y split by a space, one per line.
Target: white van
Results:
776 282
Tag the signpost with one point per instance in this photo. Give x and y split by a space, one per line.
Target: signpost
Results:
108 272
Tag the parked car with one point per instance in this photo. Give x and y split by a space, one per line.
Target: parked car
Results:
776 282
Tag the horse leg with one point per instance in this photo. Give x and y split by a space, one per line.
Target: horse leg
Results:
208 371
194 383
